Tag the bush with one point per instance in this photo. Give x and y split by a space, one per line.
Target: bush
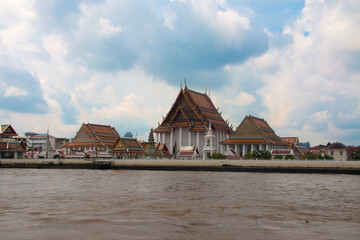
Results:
261 154
355 156
248 155
310 156
327 157
277 156
218 156
289 157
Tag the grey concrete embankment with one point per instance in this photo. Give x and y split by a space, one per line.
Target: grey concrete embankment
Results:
290 166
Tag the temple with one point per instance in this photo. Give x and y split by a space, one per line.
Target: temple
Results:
127 147
186 123
9 146
93 137
253 134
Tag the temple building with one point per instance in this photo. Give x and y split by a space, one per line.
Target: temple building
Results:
253 134
9 146
93 137
127 147
185 125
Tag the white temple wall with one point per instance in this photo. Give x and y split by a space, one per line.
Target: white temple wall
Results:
167 139
193 139
185 137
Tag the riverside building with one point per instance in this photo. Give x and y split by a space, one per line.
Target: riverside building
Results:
94 138
185 125
253 134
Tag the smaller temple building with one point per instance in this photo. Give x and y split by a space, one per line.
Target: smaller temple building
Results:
126 147
93 137
253 134
9 146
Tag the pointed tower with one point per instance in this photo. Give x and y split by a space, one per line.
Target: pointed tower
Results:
209 147
151 150
47 150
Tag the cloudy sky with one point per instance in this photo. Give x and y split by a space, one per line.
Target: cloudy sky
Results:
120 63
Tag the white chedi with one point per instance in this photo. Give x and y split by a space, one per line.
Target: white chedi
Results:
209 147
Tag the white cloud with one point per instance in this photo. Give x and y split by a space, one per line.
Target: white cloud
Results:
242 99
309 69
321 116
55 46
108 30
169 18
15 92
228 23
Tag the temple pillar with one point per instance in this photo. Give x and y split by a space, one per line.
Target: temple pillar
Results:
260 147
163 138
171 140
236 150
252 148
243 150
189 137
180 137
198 140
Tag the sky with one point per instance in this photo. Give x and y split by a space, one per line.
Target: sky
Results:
120 63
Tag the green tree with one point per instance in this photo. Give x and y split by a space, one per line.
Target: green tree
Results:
355 155
289 157
310 156
248 155
261 154
217 156
327 157
278 156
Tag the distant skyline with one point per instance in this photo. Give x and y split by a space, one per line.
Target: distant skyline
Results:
294 63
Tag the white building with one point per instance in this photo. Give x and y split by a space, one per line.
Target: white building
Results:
186 123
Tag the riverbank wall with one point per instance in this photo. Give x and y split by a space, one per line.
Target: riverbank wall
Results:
286 166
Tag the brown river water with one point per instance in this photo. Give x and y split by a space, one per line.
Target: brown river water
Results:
130 204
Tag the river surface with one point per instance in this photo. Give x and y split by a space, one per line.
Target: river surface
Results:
127 204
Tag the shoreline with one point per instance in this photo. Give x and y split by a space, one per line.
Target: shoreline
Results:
281 166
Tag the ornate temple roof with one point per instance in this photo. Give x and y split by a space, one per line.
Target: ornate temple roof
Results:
195 110
254 130
7 131
95 134
128 145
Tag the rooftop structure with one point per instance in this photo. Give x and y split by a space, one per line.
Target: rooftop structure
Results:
253 134
291 142
127 148
93 137
9 146
186 122
337 151
7 131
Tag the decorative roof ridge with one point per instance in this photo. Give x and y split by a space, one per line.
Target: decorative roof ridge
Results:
196 92
94 134
194 105
252 120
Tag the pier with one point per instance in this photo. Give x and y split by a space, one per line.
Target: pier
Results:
286 166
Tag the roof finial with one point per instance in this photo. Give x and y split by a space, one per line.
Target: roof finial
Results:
181 85
185 82
205 90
